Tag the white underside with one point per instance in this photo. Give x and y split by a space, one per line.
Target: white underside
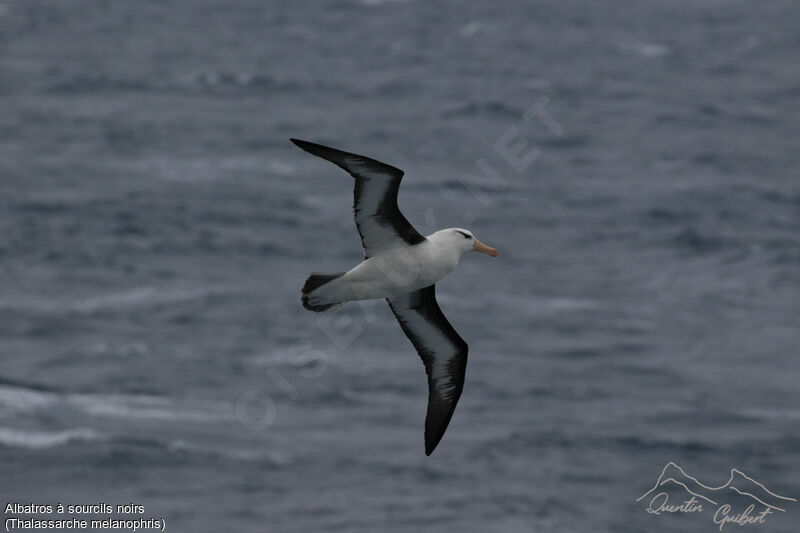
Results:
390 273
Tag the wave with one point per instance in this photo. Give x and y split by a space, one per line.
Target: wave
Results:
180 446
23 400
218 81
638 443
557 438
694 240
490 108
94 82
121 451
36 440
213 80
139 297
117 406
371 3
135 449
645 49
772 413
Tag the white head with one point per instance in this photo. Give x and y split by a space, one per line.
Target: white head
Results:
463 240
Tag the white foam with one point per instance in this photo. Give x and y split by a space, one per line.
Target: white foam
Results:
24 400
45 439
647 50
139 297
117 406
472 28
148 408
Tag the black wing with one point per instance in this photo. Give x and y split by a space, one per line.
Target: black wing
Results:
442 350
378 219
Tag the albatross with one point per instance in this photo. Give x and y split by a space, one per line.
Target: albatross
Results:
403 267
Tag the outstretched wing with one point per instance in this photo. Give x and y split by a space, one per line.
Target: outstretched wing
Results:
378 219
442 350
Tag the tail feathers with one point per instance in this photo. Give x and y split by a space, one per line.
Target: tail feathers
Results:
314 282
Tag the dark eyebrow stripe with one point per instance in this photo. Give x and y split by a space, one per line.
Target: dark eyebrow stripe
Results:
464 234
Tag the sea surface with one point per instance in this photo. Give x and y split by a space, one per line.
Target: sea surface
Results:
156 226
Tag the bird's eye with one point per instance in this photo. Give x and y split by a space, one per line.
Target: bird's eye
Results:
466 236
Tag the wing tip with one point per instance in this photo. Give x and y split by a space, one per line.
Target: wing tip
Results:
436 421
341 158
299 142
334 155
432 441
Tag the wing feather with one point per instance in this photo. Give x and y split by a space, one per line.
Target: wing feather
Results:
378 219
443 352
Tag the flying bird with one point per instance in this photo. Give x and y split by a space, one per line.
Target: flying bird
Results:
403 267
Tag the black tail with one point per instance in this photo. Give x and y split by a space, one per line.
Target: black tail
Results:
315 281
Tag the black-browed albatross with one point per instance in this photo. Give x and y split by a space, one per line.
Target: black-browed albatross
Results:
402 266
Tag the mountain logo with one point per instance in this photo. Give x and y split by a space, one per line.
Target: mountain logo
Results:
741 500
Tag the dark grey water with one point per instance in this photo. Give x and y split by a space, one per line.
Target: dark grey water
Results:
156 226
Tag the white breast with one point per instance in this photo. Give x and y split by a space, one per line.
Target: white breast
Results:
399 271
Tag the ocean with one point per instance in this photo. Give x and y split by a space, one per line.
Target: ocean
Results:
634 162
